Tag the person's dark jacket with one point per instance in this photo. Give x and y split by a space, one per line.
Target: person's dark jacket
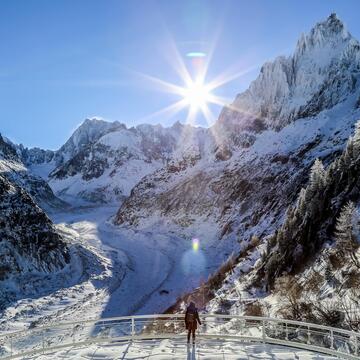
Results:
192 317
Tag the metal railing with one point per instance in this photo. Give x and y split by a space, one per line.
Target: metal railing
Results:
322 339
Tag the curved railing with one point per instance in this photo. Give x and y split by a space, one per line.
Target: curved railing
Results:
322 339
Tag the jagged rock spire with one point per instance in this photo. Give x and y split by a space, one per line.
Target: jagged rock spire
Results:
319 75
325 33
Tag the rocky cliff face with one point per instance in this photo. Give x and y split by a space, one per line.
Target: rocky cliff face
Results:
321 73
28 239
12 167
29 244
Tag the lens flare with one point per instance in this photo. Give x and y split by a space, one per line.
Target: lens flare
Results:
193 260
195 244
195 54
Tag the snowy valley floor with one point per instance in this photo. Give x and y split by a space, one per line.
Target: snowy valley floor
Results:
133 272
177 349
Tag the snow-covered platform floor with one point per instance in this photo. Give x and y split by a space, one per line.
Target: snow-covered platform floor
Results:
171 349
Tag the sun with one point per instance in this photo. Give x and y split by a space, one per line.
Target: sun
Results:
196 95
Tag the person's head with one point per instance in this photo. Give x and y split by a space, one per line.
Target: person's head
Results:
192 305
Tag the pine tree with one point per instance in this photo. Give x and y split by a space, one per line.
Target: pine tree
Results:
347 231
314 191
301 204
356 141
352 150
305 227
317 176
344 226
349 153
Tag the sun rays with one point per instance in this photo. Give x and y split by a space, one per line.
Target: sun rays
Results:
196 93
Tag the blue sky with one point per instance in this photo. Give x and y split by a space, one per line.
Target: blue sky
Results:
63 61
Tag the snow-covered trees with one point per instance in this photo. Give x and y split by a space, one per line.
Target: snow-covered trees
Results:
295 239
347 231
314 191
308 224
317 175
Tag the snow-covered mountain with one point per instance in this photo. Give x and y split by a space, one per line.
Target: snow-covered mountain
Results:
262 149
106 167
30 246
103 161
321 73
309 268
89 131
15 170
29 243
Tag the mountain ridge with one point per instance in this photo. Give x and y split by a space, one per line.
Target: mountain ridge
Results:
297 86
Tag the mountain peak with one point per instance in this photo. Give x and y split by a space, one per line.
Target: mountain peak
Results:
328 32
334 24
90 130
330 27
318 76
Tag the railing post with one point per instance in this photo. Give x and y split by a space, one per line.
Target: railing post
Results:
286 332
73 334
331 339
356 345
11 346
263 331
43 341
308 334
132 327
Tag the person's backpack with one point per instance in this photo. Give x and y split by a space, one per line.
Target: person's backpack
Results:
190 318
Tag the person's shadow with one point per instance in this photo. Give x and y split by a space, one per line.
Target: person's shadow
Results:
191 352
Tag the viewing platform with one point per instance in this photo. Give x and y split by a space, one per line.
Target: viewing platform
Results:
164 337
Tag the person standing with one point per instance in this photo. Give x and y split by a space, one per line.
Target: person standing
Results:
191 321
